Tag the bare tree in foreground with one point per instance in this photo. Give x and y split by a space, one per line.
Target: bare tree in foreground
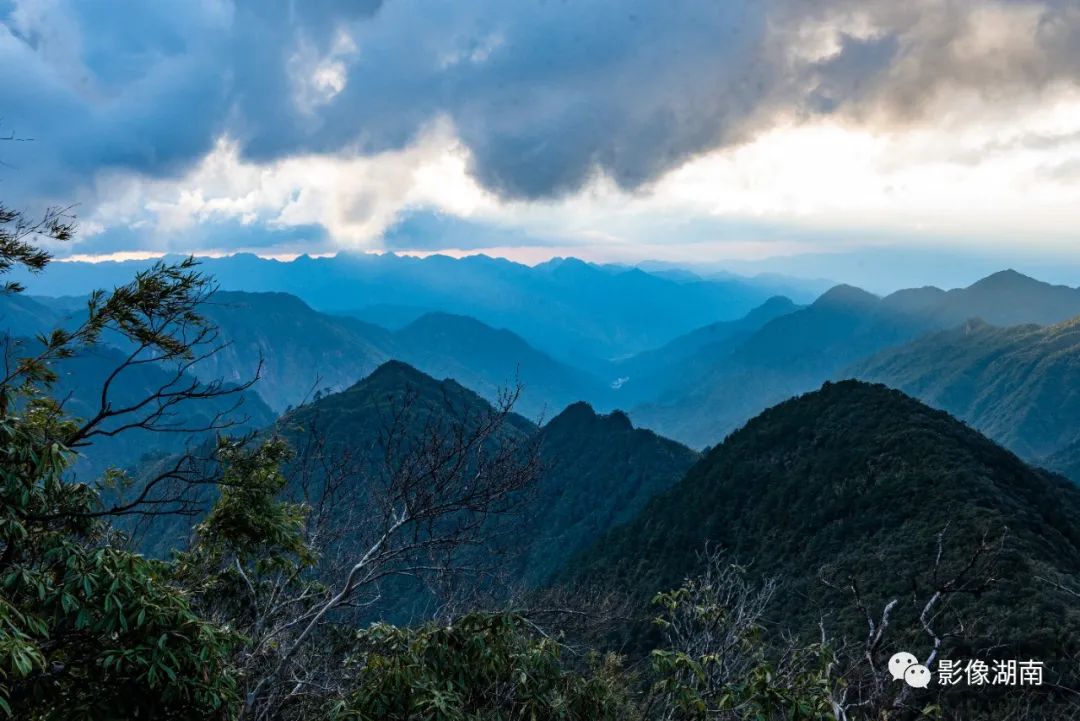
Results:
417 505
717 662
867 690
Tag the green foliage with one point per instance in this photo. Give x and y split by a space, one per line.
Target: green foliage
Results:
855 483
481 668
19 238
598 472
249 521
89 630
1006 382
715 664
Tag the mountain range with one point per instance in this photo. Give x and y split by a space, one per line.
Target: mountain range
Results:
578 312
302 351
299 351
1019 385
797 351
699 386
596 471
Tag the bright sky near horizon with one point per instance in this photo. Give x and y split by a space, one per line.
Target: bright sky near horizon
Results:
686 131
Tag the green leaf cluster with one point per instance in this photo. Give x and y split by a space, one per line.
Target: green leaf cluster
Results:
482 667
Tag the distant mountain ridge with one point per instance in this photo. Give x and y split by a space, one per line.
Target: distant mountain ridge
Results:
304 350
647 375
696 388
570 309
796 352
300 351
1019 385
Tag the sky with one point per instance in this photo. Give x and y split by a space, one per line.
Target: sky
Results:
686 131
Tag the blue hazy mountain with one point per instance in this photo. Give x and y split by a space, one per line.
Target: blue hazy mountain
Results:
80 379
796 352
303 351
696 387
299 351
491 361
648 375
579 312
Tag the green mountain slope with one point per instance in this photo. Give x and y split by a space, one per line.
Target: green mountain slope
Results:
357 418
798 351
595 471
1018 385
857 481
598 471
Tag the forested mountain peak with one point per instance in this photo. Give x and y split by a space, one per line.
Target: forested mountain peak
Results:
396 379
579 414
859 481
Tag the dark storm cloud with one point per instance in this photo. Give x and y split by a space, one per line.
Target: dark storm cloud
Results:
544 93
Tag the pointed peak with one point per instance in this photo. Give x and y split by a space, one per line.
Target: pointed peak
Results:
775 306
620 420
575 412
846 295
395 371
778 301
1006 280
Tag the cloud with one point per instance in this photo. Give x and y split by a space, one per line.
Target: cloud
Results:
545 95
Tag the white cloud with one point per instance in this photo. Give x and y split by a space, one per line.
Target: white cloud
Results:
969 176
355 198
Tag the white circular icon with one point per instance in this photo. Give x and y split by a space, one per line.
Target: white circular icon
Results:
917 676
899 663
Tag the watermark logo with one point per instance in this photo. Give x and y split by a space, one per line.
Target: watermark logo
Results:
951 672
917 676
900 663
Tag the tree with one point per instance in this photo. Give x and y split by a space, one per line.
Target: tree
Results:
481 667
715 662
87 629
419 513
256 614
